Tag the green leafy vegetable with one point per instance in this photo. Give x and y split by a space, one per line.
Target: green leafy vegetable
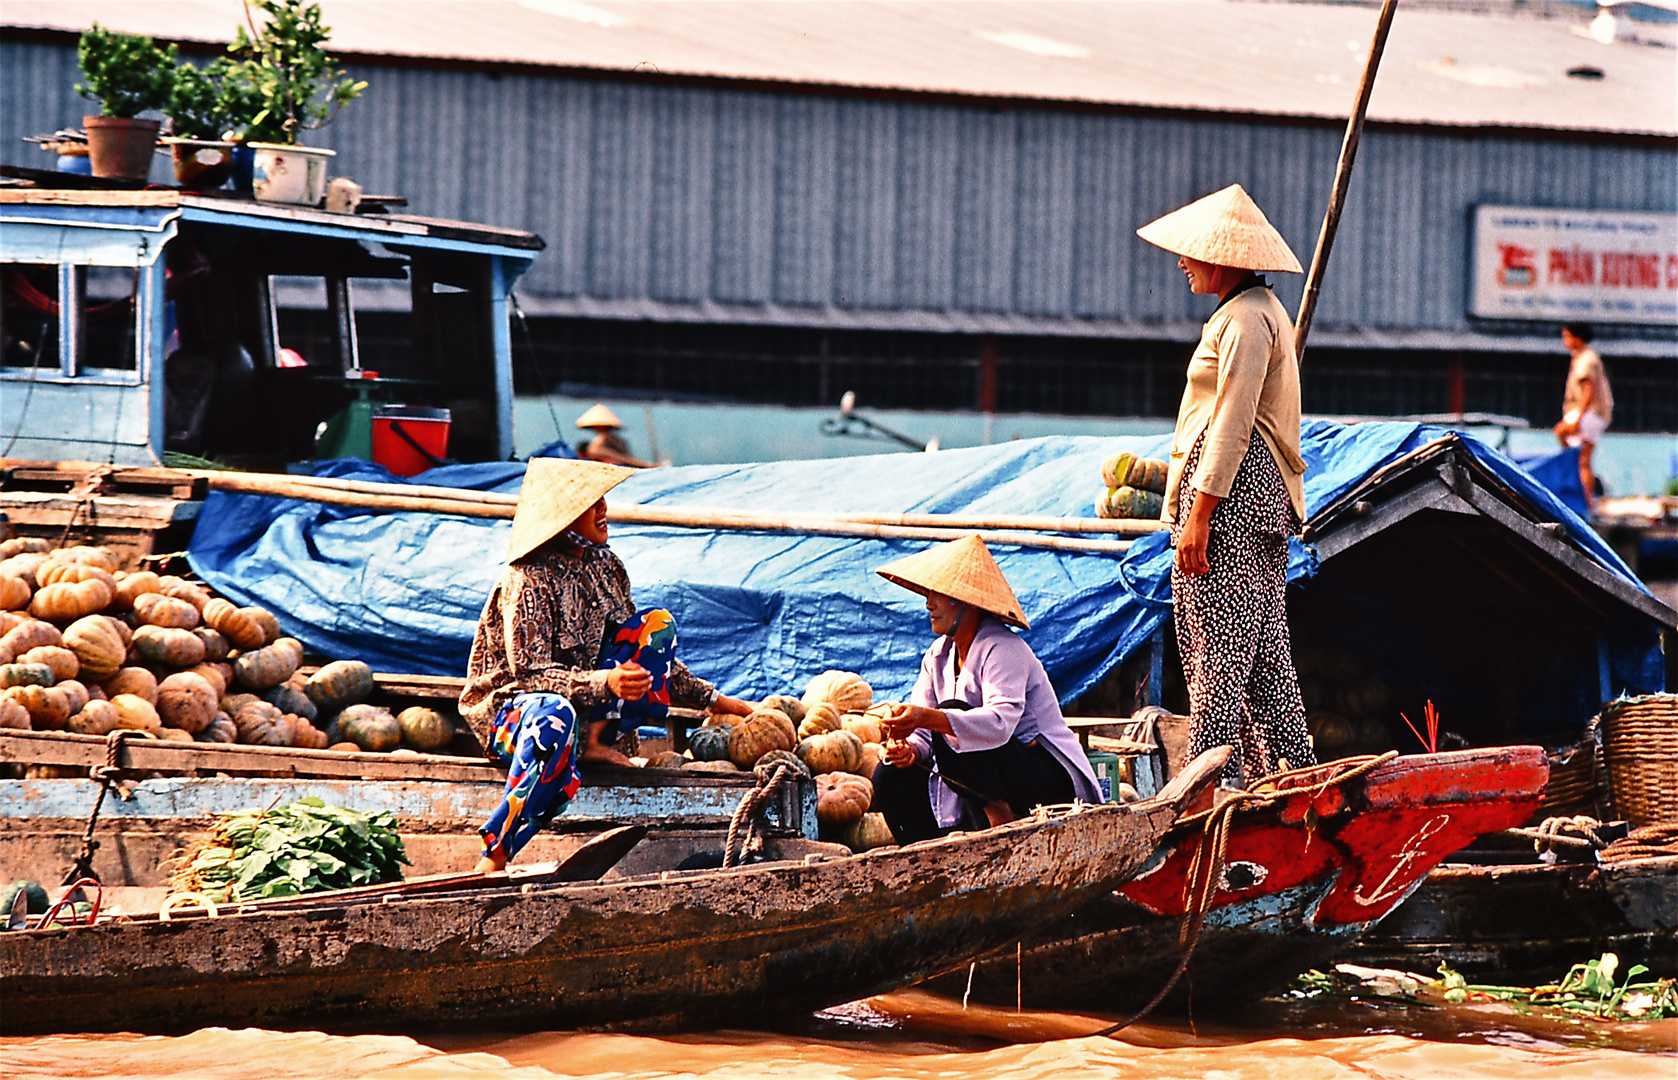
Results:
304 847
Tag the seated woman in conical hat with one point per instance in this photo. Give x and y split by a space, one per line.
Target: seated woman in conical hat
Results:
562 660
982 740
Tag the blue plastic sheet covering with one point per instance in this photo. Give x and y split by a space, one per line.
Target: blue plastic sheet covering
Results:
1558 471
758 612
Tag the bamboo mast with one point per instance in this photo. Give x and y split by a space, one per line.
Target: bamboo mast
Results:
1342 180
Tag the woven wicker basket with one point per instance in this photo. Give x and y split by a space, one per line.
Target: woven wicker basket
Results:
1575 784
1640 757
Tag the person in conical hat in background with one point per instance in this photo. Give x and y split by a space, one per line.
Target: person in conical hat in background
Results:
606 444
981 740
1234 492
561 659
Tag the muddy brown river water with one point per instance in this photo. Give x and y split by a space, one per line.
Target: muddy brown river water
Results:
917 1036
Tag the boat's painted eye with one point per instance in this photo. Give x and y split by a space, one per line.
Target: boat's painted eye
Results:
1242 875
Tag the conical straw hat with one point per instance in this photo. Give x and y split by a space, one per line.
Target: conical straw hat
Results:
599 416
1226 228
963 570
556 491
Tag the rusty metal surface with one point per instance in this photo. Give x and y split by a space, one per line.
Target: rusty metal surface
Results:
677 949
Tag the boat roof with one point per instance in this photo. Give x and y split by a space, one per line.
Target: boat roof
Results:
1479 65
119 210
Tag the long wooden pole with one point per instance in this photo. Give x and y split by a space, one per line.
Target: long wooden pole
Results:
490 505
1342 180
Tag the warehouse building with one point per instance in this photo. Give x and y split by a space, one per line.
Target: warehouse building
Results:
934 204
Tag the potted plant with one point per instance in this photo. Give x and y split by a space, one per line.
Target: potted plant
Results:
206 109
299 88
128 75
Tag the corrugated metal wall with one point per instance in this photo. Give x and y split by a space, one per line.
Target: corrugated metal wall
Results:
684 195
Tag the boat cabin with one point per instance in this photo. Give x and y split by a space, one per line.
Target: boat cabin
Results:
138 323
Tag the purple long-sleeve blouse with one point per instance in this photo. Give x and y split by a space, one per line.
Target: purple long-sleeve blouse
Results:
1009 697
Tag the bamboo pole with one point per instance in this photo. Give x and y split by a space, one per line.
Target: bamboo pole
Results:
1342 180
469 503
489 505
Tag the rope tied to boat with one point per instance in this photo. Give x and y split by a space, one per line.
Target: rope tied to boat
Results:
1206 867
744 822
1646 842
81 867
1580 830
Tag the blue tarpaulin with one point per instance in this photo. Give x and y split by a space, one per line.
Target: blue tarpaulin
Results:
760 613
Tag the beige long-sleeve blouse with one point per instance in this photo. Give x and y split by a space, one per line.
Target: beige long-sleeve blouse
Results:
1242 375
544 628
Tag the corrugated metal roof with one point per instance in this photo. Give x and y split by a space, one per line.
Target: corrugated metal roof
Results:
1442 67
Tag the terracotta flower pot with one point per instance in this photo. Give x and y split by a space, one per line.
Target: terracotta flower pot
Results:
120 147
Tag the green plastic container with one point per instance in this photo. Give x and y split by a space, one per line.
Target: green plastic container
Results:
1106 768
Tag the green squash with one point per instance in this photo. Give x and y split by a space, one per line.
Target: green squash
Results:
368 726
26 675
425 730
339 685
38 902
710 743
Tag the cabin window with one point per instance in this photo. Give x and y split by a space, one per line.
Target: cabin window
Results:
69 320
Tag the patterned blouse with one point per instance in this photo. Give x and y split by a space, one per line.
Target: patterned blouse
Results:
544 629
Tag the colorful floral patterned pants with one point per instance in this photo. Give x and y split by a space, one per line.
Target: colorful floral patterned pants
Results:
538 736
1232 625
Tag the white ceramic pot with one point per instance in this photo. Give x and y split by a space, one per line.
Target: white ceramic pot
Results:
289 174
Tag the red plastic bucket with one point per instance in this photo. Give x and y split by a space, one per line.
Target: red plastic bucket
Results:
409 439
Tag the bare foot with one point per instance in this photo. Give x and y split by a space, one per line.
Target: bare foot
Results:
491 864
999 813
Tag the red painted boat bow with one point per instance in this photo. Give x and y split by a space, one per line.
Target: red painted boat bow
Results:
1375 835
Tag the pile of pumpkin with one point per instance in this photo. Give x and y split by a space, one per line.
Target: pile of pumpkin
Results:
1133 487
833 731
1347 707
88 648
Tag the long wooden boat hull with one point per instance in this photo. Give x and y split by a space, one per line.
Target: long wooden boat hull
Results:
1527 924
678 949
1304 876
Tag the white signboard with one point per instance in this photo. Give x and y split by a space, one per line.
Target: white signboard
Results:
1598 266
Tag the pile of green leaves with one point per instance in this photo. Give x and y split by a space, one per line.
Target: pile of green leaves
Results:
126 73
303 847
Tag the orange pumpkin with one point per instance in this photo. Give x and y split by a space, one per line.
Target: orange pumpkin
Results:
819 719
96 718
49 707
102 557
221 730
18 545
340 684
846 690
764 730
132 680
265 619
864 727
98 643
29 634
54 571
62 661
14 715
305 734
24 566
234 624
135 713
270 665
425 729
187 701
834 751
156 609
217 675
181 589
873 756
841 800
787 703
15 593
132 585
216 646
261 724
168 646
67 601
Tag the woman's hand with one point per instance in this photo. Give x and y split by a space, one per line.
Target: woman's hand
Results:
900 755
907 719
731 706
629 681
1196 534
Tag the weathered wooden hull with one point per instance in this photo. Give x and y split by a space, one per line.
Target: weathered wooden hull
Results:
697 948
1527 924
1304 877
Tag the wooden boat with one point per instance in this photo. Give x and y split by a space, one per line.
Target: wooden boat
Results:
1321 858
678 948
1509 917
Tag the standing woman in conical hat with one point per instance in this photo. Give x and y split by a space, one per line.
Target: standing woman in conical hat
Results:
981 740
562 660
1234 492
